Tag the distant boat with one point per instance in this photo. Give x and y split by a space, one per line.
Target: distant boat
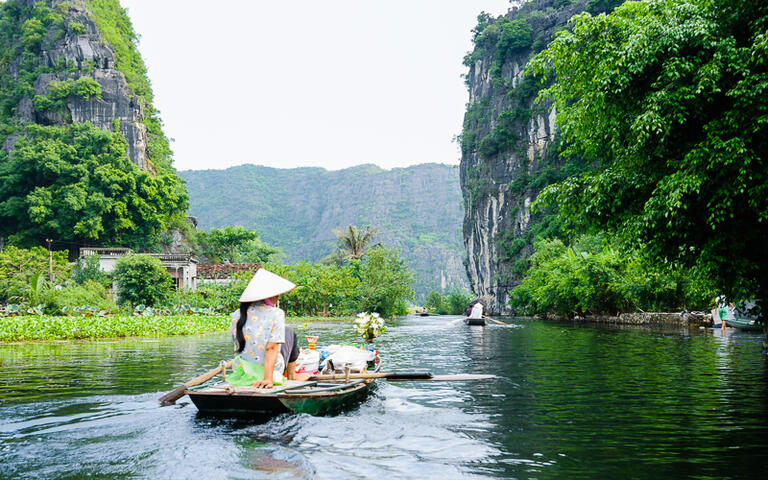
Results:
475 321
741 324
424 314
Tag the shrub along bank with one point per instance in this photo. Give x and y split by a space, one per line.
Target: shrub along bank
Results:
593 278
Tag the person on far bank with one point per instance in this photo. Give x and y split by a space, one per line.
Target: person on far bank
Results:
258 330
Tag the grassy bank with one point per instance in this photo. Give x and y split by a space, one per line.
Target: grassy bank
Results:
46 327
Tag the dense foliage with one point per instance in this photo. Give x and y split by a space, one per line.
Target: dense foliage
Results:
669 99
454 303
89 269
382 283
76 182
19 266
141 280
592 277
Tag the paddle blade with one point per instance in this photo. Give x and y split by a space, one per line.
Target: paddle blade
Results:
445 378
409 376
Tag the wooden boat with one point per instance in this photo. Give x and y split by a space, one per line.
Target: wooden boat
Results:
424 314
741 324
311 397
475 321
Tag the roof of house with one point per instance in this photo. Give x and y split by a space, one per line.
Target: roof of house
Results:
225 270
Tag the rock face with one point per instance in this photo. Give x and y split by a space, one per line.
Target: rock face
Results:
81 51
506 145
416 209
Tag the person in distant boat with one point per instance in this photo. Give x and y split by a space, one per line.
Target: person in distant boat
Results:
477 311
258 330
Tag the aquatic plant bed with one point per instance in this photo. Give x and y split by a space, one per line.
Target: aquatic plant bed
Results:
313 319
46 327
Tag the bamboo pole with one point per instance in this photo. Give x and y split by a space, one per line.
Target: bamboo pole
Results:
171 397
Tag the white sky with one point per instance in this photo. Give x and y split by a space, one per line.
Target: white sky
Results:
289 83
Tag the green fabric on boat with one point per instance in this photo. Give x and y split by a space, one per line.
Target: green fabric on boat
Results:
246 373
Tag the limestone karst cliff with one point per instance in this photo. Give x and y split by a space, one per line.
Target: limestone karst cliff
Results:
83 157
509 144
73 48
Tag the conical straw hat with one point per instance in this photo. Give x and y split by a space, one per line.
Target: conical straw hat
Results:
265 284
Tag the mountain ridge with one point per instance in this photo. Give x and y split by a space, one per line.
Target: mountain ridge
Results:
417 209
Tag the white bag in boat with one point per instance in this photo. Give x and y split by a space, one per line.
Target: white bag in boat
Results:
354 357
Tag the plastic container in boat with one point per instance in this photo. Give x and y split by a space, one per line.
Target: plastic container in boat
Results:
308 362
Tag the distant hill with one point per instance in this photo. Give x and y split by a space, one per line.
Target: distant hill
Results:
417 209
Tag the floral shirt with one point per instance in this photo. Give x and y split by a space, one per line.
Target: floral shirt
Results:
265 324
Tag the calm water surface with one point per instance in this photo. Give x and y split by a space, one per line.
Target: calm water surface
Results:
571 402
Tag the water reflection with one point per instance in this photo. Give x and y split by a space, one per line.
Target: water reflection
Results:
571 401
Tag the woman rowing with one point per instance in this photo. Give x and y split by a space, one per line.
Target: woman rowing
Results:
258 330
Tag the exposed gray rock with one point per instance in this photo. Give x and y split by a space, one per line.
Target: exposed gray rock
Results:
91 55
494 214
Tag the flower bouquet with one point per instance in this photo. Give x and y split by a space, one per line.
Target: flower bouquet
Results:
369 326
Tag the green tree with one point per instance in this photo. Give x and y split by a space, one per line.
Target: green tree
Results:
436 303
257 251
352 244
386 283
669 99
141 279
322 289
457 302
235 244
513 35
76 183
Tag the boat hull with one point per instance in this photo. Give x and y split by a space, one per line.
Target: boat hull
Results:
475 321
293 397
225 404
741 325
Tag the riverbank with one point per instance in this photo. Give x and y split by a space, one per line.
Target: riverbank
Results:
642 318
47 327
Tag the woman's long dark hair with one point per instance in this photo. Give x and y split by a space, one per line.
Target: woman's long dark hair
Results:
240 324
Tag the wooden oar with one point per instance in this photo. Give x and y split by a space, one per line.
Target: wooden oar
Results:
489 318
405 376
171 397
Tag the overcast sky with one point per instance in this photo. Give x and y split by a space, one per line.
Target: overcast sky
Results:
289 83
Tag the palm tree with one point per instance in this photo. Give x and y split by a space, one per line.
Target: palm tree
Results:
352 243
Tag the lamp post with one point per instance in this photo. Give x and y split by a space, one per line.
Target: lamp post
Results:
50 260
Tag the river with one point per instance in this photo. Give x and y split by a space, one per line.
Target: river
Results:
571 402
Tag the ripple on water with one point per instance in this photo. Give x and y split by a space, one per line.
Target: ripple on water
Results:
570 402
